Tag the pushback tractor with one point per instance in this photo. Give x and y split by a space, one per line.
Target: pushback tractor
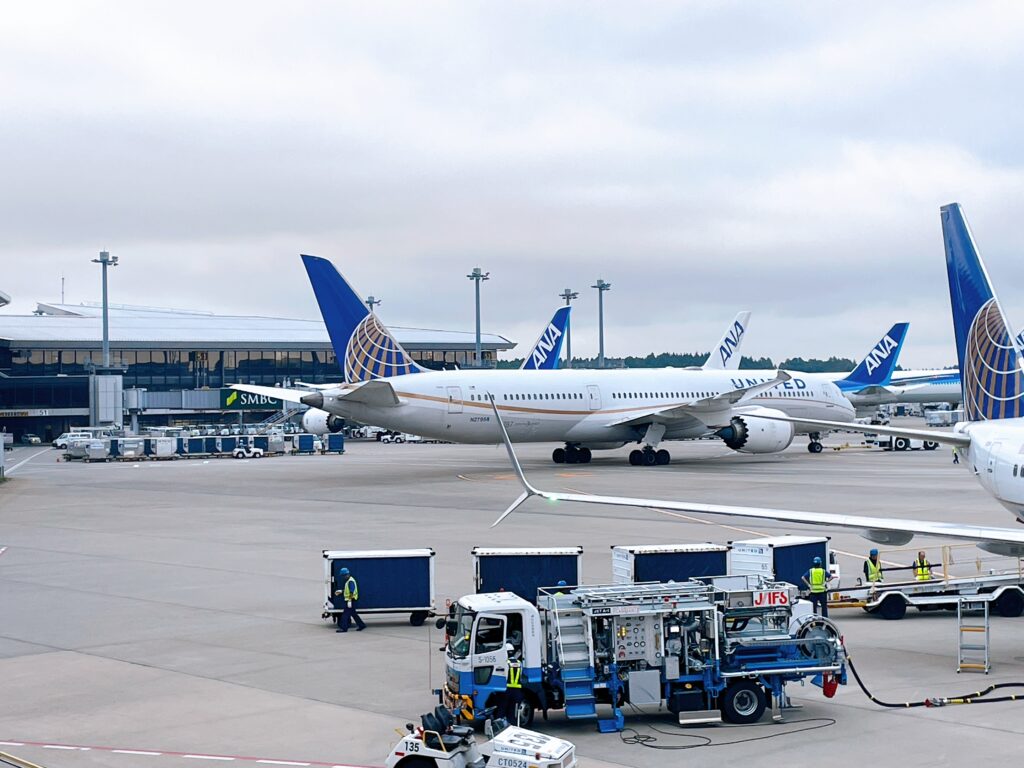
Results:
707 650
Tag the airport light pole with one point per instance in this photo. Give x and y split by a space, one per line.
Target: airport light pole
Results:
477 276
106 260
568 294
371 302
601 286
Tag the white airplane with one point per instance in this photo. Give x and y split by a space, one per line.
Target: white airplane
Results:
725 355
991 442
586 409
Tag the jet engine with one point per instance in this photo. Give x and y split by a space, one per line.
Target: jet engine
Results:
749 434
319 422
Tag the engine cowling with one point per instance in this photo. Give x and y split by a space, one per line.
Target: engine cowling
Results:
319 422
747 433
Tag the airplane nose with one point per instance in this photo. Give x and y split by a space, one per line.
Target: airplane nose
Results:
313 400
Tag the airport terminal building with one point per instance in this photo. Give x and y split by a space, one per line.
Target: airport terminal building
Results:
181 358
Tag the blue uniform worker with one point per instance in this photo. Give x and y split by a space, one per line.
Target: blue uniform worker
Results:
349 593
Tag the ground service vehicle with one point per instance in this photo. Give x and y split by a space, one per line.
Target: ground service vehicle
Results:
62 441
246 448
706 649
439 742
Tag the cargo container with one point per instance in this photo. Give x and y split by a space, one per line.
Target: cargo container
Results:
780 558
667 562
523 571
335 443
303 443
390 581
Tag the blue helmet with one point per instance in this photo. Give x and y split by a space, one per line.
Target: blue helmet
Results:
343 572
817 561
873 553
561 583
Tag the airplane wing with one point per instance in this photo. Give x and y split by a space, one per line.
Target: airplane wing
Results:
725 356
703 406
288 395
935 436
374 392
881 530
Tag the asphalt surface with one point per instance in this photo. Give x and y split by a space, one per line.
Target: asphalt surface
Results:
164 613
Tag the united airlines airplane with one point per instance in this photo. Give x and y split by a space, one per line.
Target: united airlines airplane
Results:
584 409
991 441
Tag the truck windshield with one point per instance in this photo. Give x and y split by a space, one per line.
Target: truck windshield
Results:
460 628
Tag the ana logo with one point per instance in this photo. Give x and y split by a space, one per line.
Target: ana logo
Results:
731 341
231 397
545 344
879 354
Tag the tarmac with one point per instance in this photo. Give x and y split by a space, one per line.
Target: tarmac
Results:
167 613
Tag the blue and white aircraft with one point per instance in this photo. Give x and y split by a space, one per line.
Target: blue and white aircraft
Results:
584 409
548 348
991 441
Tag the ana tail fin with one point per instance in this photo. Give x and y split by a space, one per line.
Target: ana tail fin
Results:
364 347
878 365
548 347
989 356
725 356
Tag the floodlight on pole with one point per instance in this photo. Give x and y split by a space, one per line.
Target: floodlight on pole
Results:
568 294
106 260
601 287
478 276
371 302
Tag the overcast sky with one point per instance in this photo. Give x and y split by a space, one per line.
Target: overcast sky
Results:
786 158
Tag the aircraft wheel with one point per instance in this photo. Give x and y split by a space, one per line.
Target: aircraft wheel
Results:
650 458
584 455
663 457
815 447
636 458
558 455
572 455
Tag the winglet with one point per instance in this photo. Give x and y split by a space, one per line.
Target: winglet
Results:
528 490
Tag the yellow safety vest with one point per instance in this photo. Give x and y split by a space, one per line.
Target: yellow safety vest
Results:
514 674
922 570
351 591
874 571
818 579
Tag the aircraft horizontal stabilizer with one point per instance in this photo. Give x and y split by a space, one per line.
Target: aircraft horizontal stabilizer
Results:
881 530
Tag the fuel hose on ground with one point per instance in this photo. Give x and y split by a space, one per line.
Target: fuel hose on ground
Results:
977 697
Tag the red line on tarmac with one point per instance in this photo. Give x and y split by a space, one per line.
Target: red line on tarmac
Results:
188 755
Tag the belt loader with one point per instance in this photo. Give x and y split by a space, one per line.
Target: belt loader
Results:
707 649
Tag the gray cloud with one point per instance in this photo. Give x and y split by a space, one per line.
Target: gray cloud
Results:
786 159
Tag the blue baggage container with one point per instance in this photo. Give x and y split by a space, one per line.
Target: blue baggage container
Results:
667 562
523 571
390 581
782 558
303 443
335 443
261 441
228 444
209 444
195 446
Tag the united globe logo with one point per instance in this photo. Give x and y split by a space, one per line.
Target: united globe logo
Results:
373 354
992 380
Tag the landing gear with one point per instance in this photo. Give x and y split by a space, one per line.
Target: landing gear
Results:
648 457
571 454
815 445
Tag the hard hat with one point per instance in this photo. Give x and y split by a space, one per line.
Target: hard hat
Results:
874 553
561 583
817 561
343 571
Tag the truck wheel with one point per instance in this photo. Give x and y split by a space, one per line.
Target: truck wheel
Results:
743 702
522 713
417 762
1010 604
930 445
901 444
893 608
416 618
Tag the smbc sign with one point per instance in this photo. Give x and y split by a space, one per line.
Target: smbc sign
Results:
234 400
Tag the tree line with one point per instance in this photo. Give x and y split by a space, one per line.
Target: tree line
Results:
696 359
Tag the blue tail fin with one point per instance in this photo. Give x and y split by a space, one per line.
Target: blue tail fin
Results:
877 366
364 348
990 373
548 349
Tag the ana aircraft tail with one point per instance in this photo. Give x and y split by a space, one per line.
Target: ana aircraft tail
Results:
990 372
725 356
548 348
364 347
876 369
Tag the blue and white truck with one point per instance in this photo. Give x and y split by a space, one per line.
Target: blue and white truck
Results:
718 648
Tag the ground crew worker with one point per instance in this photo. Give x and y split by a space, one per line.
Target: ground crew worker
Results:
873 568
956 457
816 580
514 686
349 592
922 568
561 583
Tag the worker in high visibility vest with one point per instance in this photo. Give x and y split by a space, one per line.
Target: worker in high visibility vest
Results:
873 568
348 591
514 688
922 568
816 579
